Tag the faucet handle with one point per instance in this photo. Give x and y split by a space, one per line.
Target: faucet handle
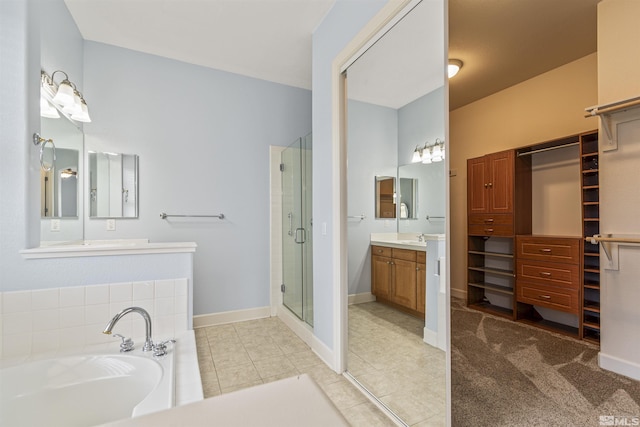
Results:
160 349
126 344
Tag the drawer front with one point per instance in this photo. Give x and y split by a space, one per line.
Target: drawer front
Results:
554 249
554 274
380 251
405 254
421 257
490 219
490 230
548 296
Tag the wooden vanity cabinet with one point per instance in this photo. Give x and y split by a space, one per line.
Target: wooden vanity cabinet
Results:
398 277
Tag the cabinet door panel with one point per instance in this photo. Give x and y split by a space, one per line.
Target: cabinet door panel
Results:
421 287
477 179
381 276
404 283
500 184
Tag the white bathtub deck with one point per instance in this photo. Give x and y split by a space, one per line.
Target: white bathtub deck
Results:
290 402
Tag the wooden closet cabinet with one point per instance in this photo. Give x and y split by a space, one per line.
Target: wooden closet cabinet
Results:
398 277
490 194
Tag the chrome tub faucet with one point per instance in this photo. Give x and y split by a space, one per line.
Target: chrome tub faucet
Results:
148 344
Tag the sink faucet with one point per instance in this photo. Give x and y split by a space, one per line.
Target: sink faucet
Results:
148 344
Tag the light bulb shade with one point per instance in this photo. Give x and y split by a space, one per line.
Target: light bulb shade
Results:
48 110
75 107
453 67
83 116
65 94
416 156
426 156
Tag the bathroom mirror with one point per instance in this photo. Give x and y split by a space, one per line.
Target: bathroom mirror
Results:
408 196
385 190
113 185
61 185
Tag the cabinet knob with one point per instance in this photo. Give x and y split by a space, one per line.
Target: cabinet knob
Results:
417 268
486 185
379 251
490 185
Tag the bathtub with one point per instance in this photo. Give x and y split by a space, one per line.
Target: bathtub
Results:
85 390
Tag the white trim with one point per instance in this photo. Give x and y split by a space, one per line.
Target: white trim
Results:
105 248
214 319
339 176
619 366
361 298
430 337
275 230
323 352
300 328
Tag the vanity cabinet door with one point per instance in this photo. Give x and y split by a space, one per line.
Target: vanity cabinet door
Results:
404 283
421 287
381 276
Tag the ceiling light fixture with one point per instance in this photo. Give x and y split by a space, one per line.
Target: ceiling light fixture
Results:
453 67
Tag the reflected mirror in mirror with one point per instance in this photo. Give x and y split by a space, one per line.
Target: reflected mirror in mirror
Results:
61 185
429 196
408 195
113 185
385 197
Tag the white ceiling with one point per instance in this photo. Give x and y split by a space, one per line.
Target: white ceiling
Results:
501 42
266 39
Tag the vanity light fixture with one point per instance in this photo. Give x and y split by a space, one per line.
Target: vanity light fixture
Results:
47 110
65 95
429 153
453 67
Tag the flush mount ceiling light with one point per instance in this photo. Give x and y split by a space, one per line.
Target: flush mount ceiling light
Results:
453 67
64 95
429 153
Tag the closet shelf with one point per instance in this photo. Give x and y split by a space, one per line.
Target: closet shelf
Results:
591 325
497 271
588 171
493 287
595 153
590 187
593 307
492 254
592 270
590 203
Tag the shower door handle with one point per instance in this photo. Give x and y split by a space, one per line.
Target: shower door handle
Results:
290 216
301 232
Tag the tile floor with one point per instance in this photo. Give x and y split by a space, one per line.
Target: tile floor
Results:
388 356
244 354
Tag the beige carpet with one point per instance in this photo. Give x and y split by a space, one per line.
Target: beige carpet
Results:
509 374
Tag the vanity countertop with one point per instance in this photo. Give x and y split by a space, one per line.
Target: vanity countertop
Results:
106 248
404 240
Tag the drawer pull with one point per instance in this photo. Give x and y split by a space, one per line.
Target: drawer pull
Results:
544 296
545 274
489 230
545 250
488 220
379 251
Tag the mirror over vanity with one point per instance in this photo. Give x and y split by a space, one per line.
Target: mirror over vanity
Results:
77 184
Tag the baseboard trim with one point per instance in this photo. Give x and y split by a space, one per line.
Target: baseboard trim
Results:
619 366
361 298
458 293
213 319
301 329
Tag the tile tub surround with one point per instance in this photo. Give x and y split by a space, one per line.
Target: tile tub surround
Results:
47 321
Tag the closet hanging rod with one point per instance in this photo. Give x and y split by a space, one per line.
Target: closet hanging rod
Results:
165 216
613 107
598 238
527 153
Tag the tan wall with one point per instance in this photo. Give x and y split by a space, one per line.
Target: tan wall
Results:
546 107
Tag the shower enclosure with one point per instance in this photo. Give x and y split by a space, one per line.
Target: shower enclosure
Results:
297 266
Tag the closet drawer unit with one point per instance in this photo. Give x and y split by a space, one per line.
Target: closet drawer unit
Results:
548 296
553 249
380 251
421 257
490 230
405 254
554 274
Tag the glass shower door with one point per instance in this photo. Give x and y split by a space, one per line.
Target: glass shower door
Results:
296 228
